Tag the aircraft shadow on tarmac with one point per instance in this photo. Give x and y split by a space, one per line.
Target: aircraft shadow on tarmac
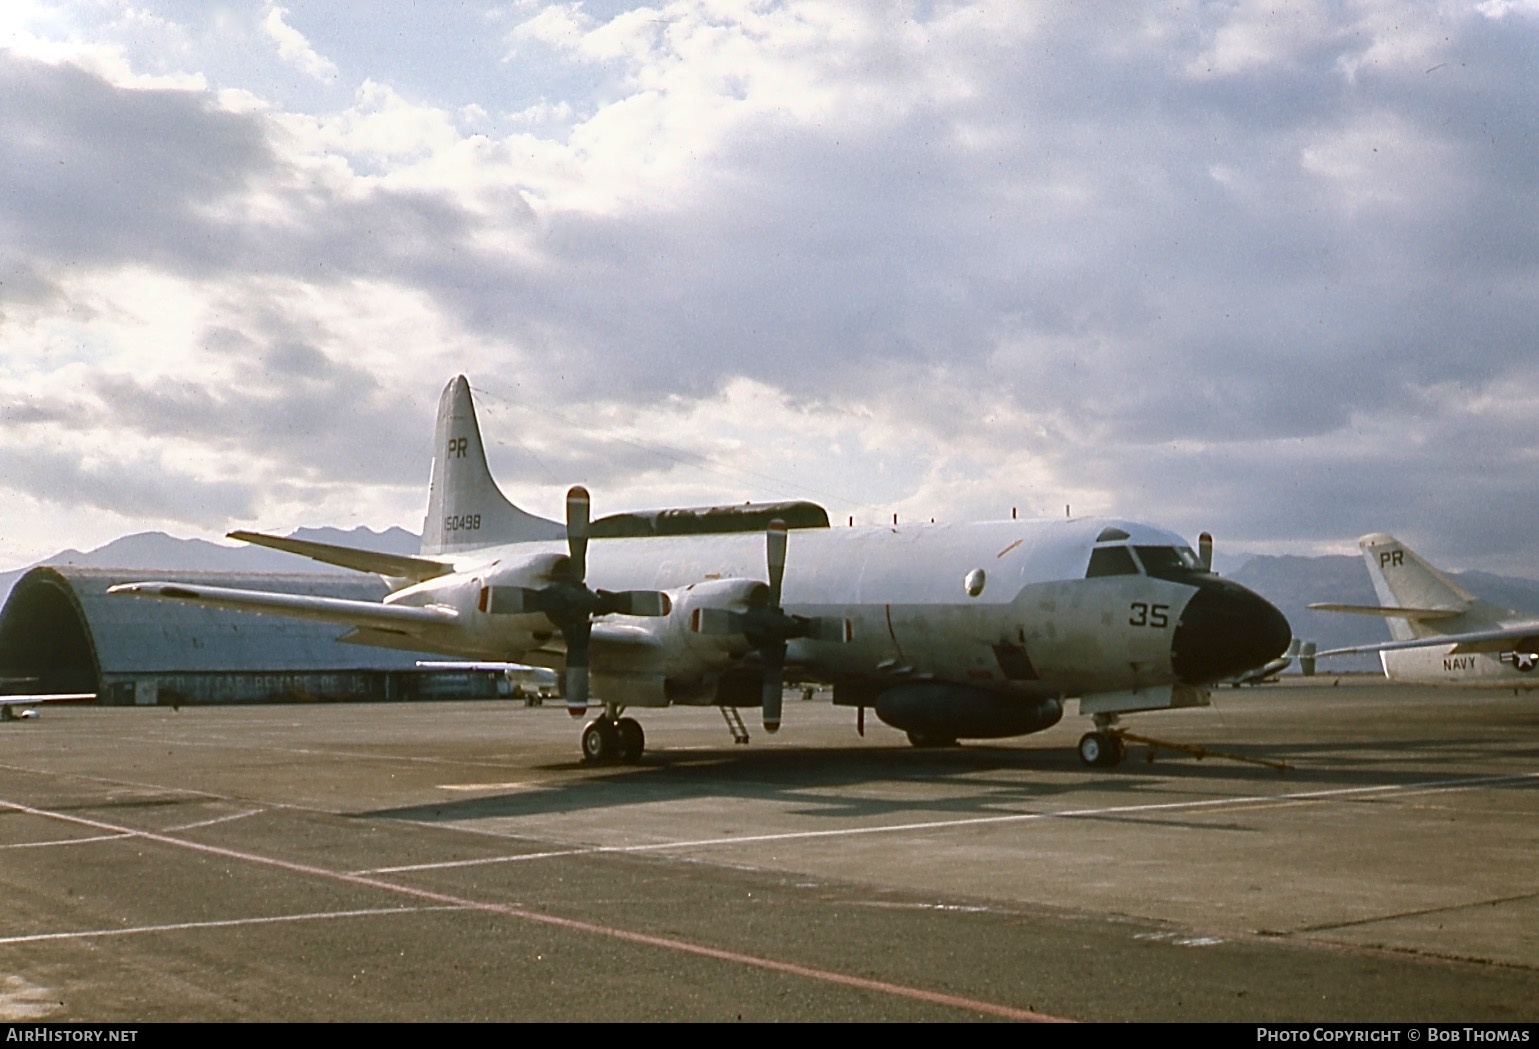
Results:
962 782
968 781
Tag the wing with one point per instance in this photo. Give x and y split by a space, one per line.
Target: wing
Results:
397 566
491 665
618 650
361 614
619 647
1514 637
1388 611
10 704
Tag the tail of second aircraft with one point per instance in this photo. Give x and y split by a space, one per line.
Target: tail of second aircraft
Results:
1428 601
466 510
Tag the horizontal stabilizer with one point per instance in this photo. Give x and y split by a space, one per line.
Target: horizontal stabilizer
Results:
397 566
1516 637
1419 614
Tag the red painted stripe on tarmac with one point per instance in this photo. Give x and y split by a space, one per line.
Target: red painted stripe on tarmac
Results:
918 994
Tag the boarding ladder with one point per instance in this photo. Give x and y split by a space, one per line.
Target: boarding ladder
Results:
735 724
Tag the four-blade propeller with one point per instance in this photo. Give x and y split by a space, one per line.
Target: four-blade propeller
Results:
570 604
766 626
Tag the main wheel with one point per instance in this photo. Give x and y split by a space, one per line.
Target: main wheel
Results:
926 739
631 741
600 741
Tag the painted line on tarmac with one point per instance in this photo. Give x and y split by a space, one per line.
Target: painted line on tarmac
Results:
216 820
1397 790
65 841
828 976
277 919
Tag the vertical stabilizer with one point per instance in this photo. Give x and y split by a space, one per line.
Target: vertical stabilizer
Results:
466 510
1404 580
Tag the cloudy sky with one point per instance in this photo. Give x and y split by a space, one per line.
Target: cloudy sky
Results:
1269 269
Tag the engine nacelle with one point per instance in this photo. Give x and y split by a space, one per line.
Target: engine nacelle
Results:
697 627
946 711
497 634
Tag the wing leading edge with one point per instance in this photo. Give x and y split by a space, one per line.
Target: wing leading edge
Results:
362 614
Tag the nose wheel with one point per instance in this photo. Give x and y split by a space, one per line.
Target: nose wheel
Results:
606 740
1102 749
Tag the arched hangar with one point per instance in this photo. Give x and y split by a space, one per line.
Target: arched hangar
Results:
60 631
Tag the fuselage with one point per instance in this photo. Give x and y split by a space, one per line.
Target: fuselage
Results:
1443 666
1022 607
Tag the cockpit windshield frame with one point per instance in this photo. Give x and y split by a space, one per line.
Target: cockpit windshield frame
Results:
1175 563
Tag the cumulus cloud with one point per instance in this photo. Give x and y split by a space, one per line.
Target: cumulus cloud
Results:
294 48
1266 270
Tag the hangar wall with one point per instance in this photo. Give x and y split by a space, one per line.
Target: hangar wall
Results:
62 632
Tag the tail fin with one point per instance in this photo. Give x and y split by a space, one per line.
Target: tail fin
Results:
1405 581
466 510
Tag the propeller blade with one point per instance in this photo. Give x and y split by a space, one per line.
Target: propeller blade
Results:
576 692
1205 550
774 684
775 554
512 600
718 622
577 635
577 507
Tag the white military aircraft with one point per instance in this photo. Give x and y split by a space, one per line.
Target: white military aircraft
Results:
1443 634
947 632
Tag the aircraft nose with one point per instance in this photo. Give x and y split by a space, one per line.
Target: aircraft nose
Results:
1225 630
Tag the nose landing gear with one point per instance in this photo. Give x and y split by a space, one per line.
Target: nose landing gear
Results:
1102 749
1108 745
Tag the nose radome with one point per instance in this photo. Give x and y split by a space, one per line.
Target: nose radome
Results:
1225 630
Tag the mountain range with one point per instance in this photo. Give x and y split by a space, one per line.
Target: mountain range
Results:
156 550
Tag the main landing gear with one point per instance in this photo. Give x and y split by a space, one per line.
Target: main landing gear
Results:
607 739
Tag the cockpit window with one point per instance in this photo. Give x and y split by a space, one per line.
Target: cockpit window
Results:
1111 534
1169 562
1111 560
